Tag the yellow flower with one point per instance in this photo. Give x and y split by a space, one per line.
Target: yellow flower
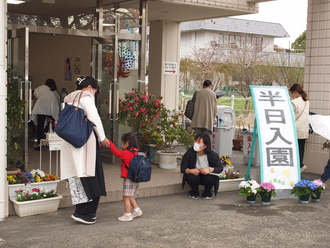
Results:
286 173
291 183
16 145
14 181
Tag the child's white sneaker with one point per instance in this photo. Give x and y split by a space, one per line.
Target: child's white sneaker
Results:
126 217
137 213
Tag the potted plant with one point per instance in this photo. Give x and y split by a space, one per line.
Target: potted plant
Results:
172 134
229 179
320 188
138 110
266 191
36 178
238 141
249 189
15 108
36 201
303 189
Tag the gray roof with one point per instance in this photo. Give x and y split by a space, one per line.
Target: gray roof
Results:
233 25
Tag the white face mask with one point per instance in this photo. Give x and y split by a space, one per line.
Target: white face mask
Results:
197 147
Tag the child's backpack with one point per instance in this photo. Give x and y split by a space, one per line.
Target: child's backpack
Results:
139 169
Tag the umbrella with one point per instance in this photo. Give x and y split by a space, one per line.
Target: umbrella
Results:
320 125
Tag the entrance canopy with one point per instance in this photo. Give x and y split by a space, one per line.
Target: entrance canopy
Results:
179 11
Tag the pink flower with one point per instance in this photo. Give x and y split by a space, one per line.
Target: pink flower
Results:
146 97
128 104
130 108
142 110
133 89
150 124
129 93
124 109
153 118
173 124
136 98
137 113
180 114
27 194
119 99
141 97
148 121
16 191
135 104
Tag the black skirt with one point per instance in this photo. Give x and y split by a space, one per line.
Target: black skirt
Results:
95 186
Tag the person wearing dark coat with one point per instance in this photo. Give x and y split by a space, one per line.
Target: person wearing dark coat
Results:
196 165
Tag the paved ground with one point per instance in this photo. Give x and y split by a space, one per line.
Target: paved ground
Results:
178 221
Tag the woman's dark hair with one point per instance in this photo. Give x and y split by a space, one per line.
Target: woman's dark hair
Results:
68 62
51 84
299 89
83 82
206 140
131 140
207 83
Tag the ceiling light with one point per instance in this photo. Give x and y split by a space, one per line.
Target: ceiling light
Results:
15 1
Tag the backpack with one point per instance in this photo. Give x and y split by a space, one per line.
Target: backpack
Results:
189 113
139 169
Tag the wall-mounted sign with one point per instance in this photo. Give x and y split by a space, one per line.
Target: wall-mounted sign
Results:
171 68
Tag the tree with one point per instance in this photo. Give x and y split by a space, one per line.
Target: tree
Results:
200 64
299 44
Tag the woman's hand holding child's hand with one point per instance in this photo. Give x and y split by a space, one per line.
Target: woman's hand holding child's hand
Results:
105 143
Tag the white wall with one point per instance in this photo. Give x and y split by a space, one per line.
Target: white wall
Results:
203 38
317 78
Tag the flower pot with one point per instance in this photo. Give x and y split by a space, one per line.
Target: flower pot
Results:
48 185
251 199
304 199
40 206
167 160
13 171
229 184
265 199
317 198
237 144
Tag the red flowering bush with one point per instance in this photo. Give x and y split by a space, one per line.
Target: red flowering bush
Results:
138 109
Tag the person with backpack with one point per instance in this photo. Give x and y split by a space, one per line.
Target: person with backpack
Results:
130 146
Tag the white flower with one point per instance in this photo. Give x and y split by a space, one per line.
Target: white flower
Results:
243 184
39 172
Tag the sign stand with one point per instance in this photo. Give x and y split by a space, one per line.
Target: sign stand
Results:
251 153
274 126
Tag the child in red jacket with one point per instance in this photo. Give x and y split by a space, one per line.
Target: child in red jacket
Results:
129 144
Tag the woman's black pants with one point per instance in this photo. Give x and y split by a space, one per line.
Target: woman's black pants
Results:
208 181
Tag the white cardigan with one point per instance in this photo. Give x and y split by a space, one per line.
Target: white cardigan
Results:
301 113
48 103
80 162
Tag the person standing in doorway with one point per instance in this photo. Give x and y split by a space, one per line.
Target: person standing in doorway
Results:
46 109
300 105
205 109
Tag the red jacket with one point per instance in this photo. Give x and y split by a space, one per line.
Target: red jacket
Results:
126 157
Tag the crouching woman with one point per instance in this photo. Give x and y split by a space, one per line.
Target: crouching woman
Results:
196 165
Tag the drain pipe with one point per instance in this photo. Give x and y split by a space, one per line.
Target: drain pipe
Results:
3 106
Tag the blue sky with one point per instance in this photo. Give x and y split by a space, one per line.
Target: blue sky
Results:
291 14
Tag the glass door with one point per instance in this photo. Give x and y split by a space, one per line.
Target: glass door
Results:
115 66
18 57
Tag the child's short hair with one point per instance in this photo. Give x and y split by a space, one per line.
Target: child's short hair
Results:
131 139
